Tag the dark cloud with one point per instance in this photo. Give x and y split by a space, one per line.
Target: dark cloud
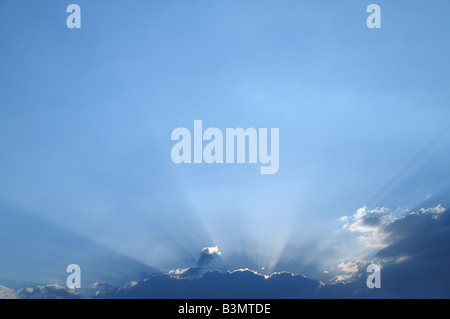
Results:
413 265
413 260
208 255
216 284
419 250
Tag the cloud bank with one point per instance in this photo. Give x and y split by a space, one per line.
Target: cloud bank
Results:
412 249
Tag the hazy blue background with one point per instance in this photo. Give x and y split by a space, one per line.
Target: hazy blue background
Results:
86 116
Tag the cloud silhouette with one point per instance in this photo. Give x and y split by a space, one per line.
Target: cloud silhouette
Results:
419 251
208 254
217 284
413 251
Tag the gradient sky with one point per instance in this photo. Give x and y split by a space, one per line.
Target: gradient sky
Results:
86 117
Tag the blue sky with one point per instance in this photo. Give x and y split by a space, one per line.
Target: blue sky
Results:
86 117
